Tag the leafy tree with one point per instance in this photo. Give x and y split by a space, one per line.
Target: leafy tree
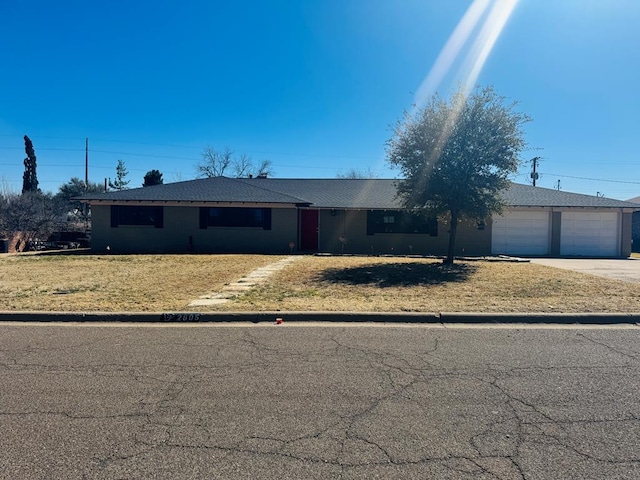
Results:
152 177
74 188
456 156
216 164
29 178
121 172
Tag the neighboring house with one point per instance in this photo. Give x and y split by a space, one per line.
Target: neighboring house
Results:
635 226
265 215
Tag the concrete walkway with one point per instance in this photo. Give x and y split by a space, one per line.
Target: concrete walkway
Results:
243 285
625 269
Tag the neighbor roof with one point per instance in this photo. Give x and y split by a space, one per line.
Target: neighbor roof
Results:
328 193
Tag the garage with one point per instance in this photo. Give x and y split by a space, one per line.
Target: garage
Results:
590 234
521 233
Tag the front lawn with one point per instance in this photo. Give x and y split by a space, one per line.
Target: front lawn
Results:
112 283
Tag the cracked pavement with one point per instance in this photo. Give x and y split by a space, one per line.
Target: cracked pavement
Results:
326 402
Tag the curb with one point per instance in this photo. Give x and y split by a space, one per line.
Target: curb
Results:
353 317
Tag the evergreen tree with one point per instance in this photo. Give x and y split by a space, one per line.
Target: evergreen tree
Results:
152 177
29 178
120 183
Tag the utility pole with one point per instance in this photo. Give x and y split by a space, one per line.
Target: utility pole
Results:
85 208
86 164
558 185
534 174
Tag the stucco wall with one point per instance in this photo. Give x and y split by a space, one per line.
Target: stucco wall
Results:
182 233
353 225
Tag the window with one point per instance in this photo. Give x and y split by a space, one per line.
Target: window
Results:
138 216
235 217
384 221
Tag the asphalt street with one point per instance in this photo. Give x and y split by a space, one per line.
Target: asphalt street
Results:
319 402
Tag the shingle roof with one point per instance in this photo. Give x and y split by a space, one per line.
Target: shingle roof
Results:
634 200
335 192
217 189
330 193
529 196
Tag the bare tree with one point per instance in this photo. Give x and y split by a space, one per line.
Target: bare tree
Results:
355 173
242 166
30 215
264 169
214 163
5 187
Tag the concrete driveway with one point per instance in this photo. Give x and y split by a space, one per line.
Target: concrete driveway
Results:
625 269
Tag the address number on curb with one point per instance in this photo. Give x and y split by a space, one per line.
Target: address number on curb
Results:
181 317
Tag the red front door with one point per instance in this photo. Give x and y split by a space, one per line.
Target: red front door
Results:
309 229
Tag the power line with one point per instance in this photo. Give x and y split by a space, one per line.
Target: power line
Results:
594 179
47 149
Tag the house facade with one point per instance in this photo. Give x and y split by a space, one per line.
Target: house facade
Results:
356 216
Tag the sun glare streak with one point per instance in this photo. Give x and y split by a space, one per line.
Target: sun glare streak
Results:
451 50
494 21
487 39
476 57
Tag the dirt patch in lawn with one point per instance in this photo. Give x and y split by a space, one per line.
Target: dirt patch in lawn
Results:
385 284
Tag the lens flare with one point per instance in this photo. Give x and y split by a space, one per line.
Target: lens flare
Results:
451 50
487 18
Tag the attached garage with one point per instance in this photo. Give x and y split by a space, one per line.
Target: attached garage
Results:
590 234
521 233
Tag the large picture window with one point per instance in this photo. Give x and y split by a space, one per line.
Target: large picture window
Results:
235 217
394 221
134 215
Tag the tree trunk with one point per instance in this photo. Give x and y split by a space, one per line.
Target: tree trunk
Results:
452 237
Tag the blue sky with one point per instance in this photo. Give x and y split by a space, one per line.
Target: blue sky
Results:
314 86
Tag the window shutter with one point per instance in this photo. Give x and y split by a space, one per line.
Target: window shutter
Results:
114 216
204 217
266 219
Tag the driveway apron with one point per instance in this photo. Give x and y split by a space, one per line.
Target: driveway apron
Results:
625 269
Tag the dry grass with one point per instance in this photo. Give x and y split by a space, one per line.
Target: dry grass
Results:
169 282
400 284
111 283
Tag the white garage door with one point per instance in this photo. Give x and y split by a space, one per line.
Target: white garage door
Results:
590 234
520 233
